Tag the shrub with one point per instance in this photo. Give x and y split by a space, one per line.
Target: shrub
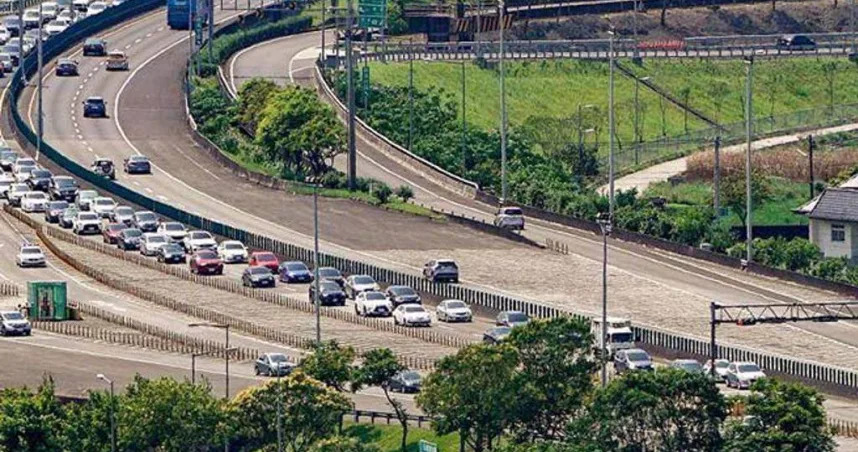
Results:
404 192
334 179
382 192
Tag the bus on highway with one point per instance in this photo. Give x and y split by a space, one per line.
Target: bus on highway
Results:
179 13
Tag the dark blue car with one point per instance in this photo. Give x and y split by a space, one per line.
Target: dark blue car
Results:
137 164
94 107
294 272
66 67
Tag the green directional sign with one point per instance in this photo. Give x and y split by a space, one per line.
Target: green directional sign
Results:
426 446
372 13
364 78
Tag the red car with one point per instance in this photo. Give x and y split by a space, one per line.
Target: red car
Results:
264 259
110 233
206 261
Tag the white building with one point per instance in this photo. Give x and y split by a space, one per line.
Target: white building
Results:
834 222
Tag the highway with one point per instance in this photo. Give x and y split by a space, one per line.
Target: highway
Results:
147 116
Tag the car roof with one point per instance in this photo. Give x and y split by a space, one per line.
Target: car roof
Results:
95 99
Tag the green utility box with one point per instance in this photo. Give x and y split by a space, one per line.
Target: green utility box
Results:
47 300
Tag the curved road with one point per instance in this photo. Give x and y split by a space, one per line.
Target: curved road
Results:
148 116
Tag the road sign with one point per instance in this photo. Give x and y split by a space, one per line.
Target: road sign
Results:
364 78
372 13
198 30
426 446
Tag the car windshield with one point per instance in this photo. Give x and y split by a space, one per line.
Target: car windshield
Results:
637 356
58 205
31 250
621 337
259 271
691 366
132 232
174 227
327 272
456 305
502 331
157 239
512 211
115 227
375 296
172 247
65 183
414 309
138 158
60 23
105 202
41 174
124 211
517 317
328 286
277 358
721 364
364 280
86 194
447 265
146 216
749 368
13 316
200 235
410 376
20 187
234 246
36 195
88 216
296 266
402 290
266 257
207 255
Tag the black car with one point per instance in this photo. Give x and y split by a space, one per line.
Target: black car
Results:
496 335
94 107
40 180
402 294
137 164
54 211
63 188
172 253
330 294
66 67
95 47
796 43
146 221
405 381
273 364
129 239
332 274
257 277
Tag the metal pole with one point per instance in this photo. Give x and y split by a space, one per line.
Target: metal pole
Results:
748 131
713 351
322 56
410 93
501 8
40 123
226 388
580 140
21 35
112 419
611 126
717 178
316 301
637 110
810 146
604 332
211 31
479 27
635 28
464 151
191 12
852 26
352 173
280 408
193 368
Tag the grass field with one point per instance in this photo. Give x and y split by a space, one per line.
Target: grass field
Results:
388 437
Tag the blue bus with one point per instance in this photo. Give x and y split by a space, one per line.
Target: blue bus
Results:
178 12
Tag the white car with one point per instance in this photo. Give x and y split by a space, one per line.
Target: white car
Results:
13 322
742 375
80 5
6 62
86 223
509 218
721 366
103 206
95 8
84 199
196 240
152 242
50 10
16 192
21 162
30 256
56 27
32 19
453 311
4 35
356 284
117 61
232 251
34 201
67 15
6 181
175 231
373 302
411 315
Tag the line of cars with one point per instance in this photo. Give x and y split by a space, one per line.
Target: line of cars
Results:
736 374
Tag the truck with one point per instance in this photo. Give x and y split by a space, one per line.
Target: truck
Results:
619 334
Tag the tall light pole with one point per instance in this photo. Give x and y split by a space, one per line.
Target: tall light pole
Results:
316 301
605 226
635 55
40 123
501 7
852 27
464 144
226 351
410 93
581 135
21 34
112 413
611 124
637 126
749 118
194 357
322 56
352 169
211 30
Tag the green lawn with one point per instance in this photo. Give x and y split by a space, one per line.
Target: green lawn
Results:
388 437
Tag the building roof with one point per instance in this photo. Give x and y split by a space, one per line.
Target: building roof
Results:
836 204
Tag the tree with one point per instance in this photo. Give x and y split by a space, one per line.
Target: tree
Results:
773 83
30 421
165 414
378 367
87 424
829 71
685 93
343 444
310 412
331 364
781 416
473 392
665 410
252 97
734 188
718 91
556 368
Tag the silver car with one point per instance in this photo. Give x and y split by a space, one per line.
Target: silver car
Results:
509 218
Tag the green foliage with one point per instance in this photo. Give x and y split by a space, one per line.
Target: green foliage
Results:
310 412
664 410
252 97
377 368
382 192
87 424
781 416
246 34
404 192
331 364
30 421
209 106
734 189
344 444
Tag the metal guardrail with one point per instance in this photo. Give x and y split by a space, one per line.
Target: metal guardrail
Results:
833 376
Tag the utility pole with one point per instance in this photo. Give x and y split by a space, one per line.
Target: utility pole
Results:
112 413
749 118
713 346
501 7
811 143
637 89
410 93
211 30
322 56
191 13
605 226
464 144
611 125
852 27
316 301
717 178
479 27
636 55
352 173
21 35
39 57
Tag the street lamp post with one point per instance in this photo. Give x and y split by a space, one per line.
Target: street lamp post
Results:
637 126
226 352
316 301
410 93
40 123
749 118
194 357
112 414
501 7
464 144
611 125
605 226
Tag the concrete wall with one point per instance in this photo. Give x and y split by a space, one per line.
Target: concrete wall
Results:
820 235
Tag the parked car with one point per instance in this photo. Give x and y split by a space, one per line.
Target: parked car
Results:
405 381
632 359
7 157
30 255
721 366
441 270
66 67
110 233
264 259
54 28
84 199
40 180
355 284
411 315
294 272
273 365
86 223
453 311
402 294
81 6
13 322
257 277
496 335
123 215
96 8
137 164
34 201
22 174
129 239
372 303
332 274
151 242
232 251
103 206
796 43
741 375
54 211
687 365
63 188
94 47
22 162
330 294
172 253
509 218
16 191
7 62
117 61
174 230
94 107
145 221
205 261
199 240
512 319
68 216
103 167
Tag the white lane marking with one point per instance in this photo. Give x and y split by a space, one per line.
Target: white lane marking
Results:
162 198
80 137
137 41
149 35
149 190
128 46
136 183
180 151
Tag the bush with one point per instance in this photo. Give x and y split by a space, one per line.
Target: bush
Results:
404 192
334 179
382 192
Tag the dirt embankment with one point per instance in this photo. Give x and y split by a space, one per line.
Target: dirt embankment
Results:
807 16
